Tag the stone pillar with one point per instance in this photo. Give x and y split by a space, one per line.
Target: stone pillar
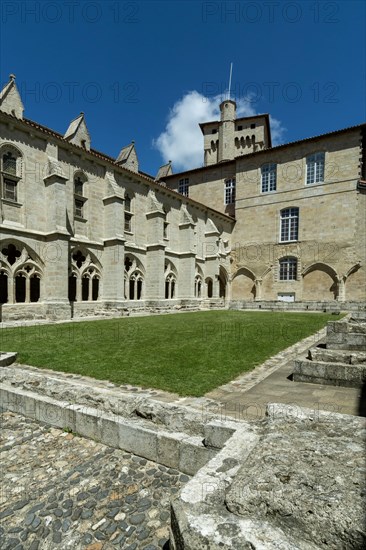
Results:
27 290
341 289
114 250
56 249
258 289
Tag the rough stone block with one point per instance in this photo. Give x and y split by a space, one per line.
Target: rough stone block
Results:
136 439
109 430
168 449
87 421
217 433
193 455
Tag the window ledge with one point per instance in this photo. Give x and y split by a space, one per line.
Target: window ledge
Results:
289 242
128 232
12 203
80 219
314 183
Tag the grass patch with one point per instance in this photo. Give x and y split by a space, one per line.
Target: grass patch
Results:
189 354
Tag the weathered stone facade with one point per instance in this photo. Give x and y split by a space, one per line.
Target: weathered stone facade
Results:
83 234
279 189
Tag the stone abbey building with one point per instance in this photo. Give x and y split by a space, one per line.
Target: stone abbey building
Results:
83 234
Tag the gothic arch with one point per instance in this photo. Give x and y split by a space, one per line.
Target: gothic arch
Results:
84 275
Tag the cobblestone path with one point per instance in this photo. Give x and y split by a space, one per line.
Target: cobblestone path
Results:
59 490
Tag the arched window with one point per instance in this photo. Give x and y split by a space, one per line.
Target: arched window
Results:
209 284
134 279
135 285
10 166
79 198
288 269
84 279
197 286
170 284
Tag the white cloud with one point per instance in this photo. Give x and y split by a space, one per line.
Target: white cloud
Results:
182 140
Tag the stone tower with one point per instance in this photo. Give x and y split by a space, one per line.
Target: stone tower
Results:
230 137
227 130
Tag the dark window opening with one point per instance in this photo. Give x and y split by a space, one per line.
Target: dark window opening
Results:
166 290
20 288
252 126
209 289
132 289
95 288
85 289
35 288
78 258
10 190
11 253
72 289
128 264
240 128
139 289
10 164
3 288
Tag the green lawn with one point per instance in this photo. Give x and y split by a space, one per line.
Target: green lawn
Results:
189 353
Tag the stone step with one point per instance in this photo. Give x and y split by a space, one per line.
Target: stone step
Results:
331 374
337 356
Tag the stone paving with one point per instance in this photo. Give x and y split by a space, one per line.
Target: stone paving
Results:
59 490
247 397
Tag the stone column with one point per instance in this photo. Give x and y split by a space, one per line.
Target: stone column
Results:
258 289
114 250
341 289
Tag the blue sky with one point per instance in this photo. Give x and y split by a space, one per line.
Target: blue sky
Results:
149 71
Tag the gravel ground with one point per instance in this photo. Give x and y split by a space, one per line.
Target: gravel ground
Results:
59 490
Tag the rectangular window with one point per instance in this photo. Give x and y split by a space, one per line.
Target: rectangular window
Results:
230 191
315 168
289 225
165 230
269 177
288 269
128 222
79 208
10 190
184 186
